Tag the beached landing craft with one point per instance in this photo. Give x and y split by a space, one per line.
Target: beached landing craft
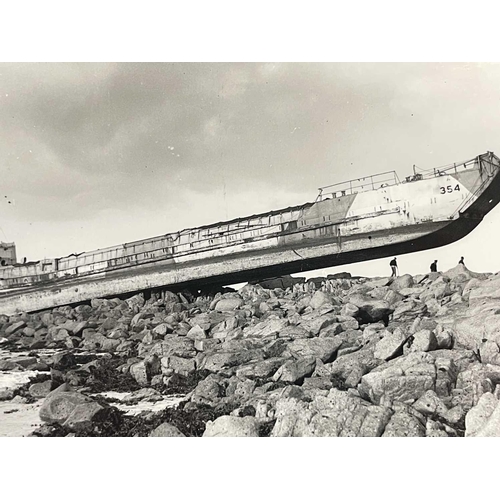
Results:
362 219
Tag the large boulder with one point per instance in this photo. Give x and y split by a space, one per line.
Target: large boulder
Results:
323 348
182 366
489 351
314 326
136 301
438 290
229 304
60 335
209 391
484 419
6 365
430 405
226 325
444 338
145 370
460 274
40 390
260 369
94 341
407 378
390 345
295 332
484 291
409 309
349 310
295 370
166 430
196 333
401 282
175 345
379 292
352 366
78 327
329 414
481 324
205 345
319 298
14 327
83 417
6 394
370 310
392 297
264 328
332 330
473 381
162 329
70 409
230 426
240 389
405 423
424 341
210 320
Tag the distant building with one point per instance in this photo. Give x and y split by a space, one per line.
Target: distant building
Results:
7 254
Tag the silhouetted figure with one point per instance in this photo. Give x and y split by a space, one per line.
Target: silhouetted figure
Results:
434 267
394 267
461 261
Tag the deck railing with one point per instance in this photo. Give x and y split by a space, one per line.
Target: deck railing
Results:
390 178
363 184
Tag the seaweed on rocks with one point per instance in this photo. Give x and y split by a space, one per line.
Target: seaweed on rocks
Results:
107 424
191 422
106 377
49 430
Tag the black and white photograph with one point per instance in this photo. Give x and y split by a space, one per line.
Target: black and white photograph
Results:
260 243
249 249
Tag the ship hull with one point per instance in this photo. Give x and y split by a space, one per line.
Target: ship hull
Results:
383 222
228 270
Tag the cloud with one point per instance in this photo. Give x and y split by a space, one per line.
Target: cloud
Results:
97 144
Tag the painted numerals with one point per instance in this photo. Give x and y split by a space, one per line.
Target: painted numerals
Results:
449 189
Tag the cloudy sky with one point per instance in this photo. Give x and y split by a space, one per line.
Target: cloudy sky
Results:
93 155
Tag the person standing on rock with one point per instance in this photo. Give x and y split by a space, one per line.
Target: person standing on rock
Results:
461 261
434 267
394 267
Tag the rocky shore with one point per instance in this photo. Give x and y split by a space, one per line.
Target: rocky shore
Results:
416 356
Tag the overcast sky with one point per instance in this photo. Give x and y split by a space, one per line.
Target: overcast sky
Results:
93 155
